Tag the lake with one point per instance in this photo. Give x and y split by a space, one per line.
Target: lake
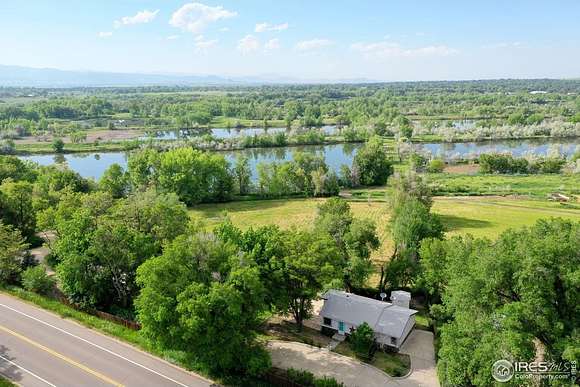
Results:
94 164
227 133
539 147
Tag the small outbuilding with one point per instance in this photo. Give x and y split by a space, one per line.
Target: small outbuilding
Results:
391 323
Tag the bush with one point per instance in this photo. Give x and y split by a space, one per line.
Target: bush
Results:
327 382
36 280
507 164
362 341
436 166
306 378
58 145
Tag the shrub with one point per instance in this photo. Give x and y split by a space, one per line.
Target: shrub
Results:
362 340
436 166
58 145
327 382
35 279
306 378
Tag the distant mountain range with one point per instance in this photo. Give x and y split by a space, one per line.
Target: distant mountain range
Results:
18 76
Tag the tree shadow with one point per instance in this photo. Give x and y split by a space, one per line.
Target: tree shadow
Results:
8 369
452 222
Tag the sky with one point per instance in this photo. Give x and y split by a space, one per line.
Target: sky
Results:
384 40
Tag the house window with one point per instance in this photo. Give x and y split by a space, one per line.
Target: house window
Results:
393 341
327 321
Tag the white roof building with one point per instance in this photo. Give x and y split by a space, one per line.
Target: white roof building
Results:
344 312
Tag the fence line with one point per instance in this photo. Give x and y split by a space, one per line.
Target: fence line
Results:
100 314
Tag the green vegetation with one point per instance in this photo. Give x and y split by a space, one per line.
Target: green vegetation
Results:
538 186
307 379
500 163
204 286
6 382
394 364
513 297
35 279
421 111
362 341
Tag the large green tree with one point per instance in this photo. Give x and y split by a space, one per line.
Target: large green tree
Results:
16 205
202 297
354 238
514 298
12 248
309 262
372 163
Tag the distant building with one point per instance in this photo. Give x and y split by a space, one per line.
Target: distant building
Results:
391 322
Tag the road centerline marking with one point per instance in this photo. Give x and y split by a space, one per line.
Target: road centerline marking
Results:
98 346
62 357
25 370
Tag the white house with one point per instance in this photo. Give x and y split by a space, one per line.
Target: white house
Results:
391 323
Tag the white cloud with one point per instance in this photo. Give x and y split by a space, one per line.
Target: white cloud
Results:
272 44
224 29
201 44
314 44
140 17
248 44
105 34
195 17
173 37
264 27
394 50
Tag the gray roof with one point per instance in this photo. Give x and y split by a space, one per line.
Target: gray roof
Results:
383 317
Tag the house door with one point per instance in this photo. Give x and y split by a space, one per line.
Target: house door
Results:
341 327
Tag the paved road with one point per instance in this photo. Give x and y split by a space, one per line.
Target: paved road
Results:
40 349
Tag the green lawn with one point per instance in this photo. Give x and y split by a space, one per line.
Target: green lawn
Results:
479 184
480 216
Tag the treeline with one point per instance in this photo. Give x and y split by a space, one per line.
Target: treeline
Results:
376 105
507 164
513 298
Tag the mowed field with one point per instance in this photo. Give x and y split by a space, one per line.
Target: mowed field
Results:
479 216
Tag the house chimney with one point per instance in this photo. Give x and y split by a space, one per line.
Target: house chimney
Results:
401 298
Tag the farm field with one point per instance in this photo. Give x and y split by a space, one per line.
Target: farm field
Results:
484 216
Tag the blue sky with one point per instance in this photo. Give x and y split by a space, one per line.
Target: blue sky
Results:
339 39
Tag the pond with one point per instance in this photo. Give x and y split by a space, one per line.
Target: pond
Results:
227 133
94 164
539 147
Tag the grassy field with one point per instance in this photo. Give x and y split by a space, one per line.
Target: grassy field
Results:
6 383
480 216
475 184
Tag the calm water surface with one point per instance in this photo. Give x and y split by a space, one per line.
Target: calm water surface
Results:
94 164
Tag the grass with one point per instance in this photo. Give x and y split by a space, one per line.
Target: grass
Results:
479 184
394 364
47 148
479 216
103 326
6 382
